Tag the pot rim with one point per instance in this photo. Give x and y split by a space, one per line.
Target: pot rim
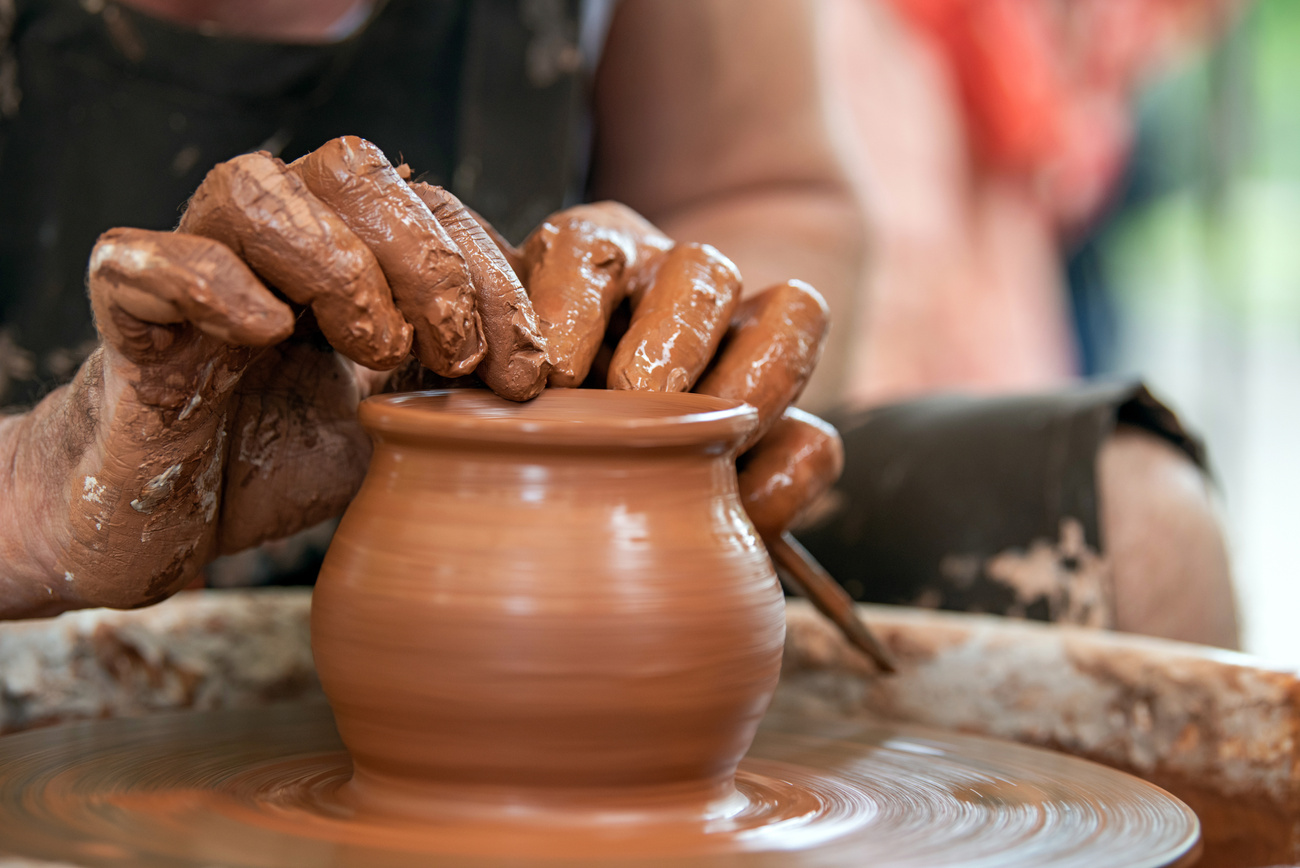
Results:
605 417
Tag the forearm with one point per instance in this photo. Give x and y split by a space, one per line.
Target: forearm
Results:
812 232
728 139
38 450
85 523
26 560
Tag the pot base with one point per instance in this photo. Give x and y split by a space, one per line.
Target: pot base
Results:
268 787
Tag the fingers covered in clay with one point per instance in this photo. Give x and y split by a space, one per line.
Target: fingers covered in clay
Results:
581 263
516 364
428 275
678 322
771 348
265 213
791 467
513 254
165 278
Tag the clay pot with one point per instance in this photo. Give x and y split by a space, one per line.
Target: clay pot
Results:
548 605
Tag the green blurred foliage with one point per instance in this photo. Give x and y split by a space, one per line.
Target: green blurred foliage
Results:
1212 215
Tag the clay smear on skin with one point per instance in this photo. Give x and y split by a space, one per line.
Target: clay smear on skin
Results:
516 364
426 270
771 349
311 230
678 322
581 263
264 212
791 468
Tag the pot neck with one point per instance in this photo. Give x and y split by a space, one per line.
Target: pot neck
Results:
565 421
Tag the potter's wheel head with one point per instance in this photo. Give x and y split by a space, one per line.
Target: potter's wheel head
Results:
253 788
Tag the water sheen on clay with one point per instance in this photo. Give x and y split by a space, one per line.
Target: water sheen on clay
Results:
256 787
548 606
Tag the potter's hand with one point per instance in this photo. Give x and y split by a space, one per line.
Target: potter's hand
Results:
789 470
688 329
218 413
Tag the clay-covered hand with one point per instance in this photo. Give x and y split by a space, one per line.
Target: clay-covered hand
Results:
220 409
684 327
622 306
789 470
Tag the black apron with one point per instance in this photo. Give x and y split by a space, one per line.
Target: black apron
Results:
114 117
111 118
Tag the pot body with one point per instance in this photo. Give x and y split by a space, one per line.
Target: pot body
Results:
544 617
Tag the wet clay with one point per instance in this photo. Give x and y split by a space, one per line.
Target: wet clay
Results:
263 212
261 787
170 277
678 322
581 263
198 428
512 254
116 546
516 364
771 348
790 468
426 270
139 438
617 646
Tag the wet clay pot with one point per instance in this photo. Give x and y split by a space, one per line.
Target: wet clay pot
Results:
555 605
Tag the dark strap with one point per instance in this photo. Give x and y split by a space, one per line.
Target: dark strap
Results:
934 488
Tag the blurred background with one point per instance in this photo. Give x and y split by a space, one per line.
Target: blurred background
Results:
1053 188
1204 270
1127 168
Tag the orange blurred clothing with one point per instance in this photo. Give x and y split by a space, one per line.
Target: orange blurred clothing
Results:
1044 84
1014 87
981 133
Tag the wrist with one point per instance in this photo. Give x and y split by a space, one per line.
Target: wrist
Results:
105 503
29 544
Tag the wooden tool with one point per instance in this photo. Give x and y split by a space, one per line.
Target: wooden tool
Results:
800 572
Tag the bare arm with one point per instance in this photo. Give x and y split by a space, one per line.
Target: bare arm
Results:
712 123
215 415
32 491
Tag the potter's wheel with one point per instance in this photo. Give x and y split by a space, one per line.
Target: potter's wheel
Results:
253 788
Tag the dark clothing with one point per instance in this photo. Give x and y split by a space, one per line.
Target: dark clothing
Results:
115 117
982 504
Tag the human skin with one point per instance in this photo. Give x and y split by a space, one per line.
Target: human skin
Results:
217 414
964 288
1160 528
773 345
213 416
308 21
744 163
516 363
728 139
581 263
678 322
796 463
427 272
